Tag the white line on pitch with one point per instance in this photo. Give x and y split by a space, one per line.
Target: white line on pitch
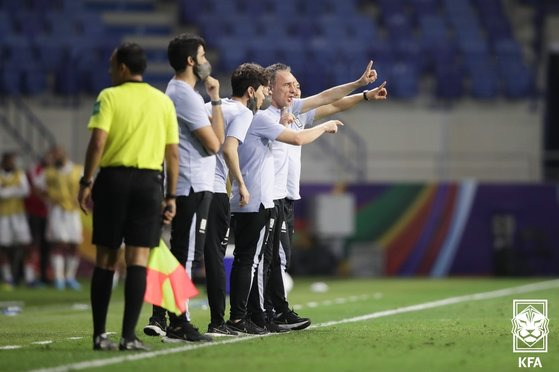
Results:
379 314
10 347
45 342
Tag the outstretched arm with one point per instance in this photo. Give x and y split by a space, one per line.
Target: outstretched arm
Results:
305 136
346 103
338 92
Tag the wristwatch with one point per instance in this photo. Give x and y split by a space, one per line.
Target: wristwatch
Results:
85 182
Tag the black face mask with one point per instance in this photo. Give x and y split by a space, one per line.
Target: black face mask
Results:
59 163
251 104
266 103
8 168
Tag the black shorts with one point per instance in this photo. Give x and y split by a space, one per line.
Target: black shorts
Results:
127 206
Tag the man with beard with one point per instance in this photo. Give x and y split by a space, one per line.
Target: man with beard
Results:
200 138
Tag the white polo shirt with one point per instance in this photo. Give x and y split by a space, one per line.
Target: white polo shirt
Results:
280 151
294 153
196 165
257 162
237 118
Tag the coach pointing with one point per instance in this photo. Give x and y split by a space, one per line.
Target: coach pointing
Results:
133 129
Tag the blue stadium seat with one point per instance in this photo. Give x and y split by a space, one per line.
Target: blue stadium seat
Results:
450 84
404 80
51 51
34 80
30 23
11 80
61 24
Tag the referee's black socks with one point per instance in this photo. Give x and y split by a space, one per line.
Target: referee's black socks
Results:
101 288
134 289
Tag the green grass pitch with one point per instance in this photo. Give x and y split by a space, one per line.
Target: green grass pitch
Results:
356 327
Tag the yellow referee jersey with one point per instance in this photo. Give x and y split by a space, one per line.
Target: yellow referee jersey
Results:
140 120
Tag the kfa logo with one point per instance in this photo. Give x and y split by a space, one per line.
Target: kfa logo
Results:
530 326
529 330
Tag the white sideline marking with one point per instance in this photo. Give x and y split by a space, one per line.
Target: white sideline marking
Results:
10 347
74 338
423 306
45 342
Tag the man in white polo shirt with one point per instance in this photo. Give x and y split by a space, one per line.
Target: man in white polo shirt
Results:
306 120
283 232
249 84
254 222
199 140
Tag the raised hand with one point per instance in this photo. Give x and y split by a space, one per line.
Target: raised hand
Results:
287 118
369 76
378 93
212 88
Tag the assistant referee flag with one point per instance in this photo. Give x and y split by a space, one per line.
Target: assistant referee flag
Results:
167 284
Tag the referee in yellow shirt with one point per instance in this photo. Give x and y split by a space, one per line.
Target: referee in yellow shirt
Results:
133 129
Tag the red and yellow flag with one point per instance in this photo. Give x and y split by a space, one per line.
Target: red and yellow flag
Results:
167 284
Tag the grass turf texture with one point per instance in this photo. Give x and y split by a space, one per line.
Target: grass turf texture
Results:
467 336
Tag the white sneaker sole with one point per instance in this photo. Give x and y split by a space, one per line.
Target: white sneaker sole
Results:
151 330
295 326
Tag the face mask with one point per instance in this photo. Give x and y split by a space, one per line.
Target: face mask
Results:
251 104
266 103
202 71
8 168
59 163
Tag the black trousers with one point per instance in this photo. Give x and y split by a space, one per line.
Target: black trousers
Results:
38 225
214 252
252 231
188 234
290 219
275 294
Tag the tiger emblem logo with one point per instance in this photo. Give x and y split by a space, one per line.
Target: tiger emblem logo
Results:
530 326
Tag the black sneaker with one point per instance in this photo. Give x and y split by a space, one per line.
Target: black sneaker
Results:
246 326
102 342
273 327
220 330
184 332
269 325
290 320
132 345
156 327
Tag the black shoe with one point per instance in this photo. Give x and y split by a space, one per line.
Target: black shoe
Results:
246 326
156 327
273 327
102 342
184 332
220 330
268 325
132 345
290 320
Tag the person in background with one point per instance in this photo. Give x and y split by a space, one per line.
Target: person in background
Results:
64 225
15 237
37 211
